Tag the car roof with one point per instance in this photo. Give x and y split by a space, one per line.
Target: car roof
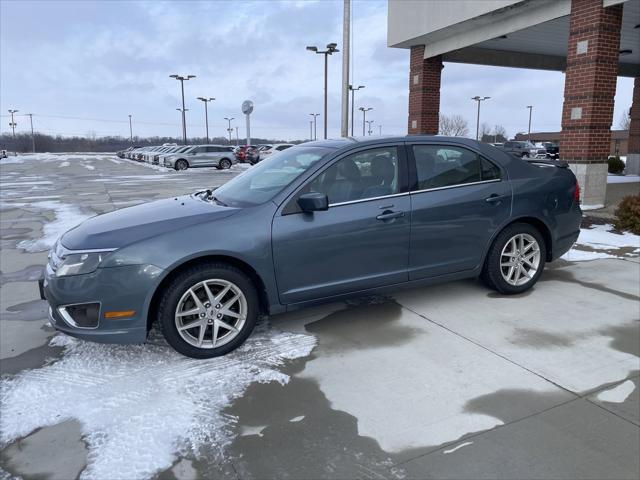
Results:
363 141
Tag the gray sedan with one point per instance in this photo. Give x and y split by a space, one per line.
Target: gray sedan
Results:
218 156
318 222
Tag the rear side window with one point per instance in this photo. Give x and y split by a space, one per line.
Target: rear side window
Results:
282 147
444 166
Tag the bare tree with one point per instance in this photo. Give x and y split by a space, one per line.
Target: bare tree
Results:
453 126
625 120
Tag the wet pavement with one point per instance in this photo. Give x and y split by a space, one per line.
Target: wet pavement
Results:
450 381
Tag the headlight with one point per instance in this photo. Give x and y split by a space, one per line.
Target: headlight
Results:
77 263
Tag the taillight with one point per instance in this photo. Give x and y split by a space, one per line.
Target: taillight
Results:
576 193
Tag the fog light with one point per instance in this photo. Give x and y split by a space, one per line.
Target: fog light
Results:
82 315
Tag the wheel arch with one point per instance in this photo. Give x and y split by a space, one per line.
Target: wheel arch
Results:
247 269
539 225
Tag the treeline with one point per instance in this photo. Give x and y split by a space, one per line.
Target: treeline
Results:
49 143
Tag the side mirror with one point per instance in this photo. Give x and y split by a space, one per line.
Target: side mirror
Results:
313 202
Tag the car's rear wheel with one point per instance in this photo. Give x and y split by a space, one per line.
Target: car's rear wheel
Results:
515 260
181 165
208 310
225 163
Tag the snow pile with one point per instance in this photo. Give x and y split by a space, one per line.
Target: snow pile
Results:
600 242
67 217
623 178
144 403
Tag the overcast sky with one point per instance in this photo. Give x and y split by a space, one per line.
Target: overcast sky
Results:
100 61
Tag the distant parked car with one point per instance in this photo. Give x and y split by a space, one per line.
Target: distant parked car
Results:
269 150
248 153
524 149
3 154
553 150
218 156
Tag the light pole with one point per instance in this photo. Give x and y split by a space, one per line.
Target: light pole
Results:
182 112
369 122
13 126
229 129
331 49
182 78
237 138
206 113
530 107
364 117
130 131
315 125
353 103
380 130
33 138
478 99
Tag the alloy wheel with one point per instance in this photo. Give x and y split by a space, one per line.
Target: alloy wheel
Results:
211 313
225 164
520 259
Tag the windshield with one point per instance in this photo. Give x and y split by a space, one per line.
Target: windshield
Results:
268 178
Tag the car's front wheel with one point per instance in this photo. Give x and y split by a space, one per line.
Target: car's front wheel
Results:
225 163
208 310
181 165
515 260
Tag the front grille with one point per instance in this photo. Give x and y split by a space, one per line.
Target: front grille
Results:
82 315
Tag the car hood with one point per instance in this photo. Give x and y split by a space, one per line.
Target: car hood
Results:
129 225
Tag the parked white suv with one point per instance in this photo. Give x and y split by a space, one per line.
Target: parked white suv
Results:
268 150
218 156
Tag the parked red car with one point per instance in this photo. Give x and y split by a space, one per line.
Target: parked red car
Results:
248 153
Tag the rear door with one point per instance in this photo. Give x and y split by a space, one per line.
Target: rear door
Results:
459 198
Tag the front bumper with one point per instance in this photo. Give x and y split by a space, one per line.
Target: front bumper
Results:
116 289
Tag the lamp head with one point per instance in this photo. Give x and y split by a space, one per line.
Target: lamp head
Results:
312 49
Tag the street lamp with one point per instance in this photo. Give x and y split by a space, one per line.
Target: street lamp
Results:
315 125
353 102
369 122
184 120
364 117
331 49
530 107
310 130
13 125
229 129
479 99
130 130
206 113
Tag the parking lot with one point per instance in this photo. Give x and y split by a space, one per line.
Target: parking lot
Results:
451 381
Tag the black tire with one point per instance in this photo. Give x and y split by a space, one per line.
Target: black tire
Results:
187 279
225 164
181 165
492 273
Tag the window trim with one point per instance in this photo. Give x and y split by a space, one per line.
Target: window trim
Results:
403 177
413 171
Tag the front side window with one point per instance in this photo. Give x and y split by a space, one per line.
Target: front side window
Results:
368 174
440 166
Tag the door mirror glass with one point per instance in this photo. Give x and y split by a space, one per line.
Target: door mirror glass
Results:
313 202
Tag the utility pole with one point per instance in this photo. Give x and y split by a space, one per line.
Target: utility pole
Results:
353 103
369 122
479 99
237 138
182 78
229 129
331 49
364 117
315 126
530 107
130 130
33 138
206 113
380 130
310 130
346 24
13 126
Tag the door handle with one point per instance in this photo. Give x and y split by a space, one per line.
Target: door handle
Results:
494 198
389 215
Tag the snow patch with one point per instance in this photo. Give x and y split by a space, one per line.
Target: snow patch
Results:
458 447
145 403
88 166
575 255
67 217
600 236
113 160
64 164
597 206
297 419
617 394
249 431
623 178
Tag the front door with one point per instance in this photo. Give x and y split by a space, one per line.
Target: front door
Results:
459 201
360 242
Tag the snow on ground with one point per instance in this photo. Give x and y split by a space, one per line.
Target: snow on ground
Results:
146 402
617 394
623 178
67 217
600 242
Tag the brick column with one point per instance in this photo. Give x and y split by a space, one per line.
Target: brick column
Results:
633 153
589 91
424 92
